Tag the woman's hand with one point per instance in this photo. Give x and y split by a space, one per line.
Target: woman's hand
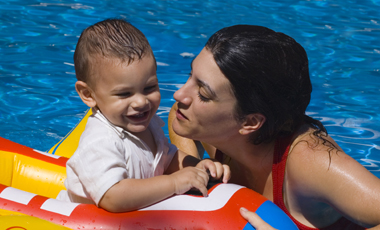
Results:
217 170
255 220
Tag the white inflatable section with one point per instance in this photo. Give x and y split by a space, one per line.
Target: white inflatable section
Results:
215 200
60 207
17 195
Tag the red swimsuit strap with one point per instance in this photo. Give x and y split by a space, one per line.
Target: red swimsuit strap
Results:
281 151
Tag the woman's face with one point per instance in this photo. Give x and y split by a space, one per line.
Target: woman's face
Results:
206 104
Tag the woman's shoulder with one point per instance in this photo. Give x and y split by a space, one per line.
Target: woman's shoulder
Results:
315 158
320 173
307 143
317 165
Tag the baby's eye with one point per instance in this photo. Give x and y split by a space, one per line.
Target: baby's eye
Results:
123 94
150 88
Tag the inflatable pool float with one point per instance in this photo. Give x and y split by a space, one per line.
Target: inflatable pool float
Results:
31 179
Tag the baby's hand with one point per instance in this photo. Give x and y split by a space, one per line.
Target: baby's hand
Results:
216 169
190 177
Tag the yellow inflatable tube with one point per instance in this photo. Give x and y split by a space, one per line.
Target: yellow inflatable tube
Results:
67 146
39 172
36 172
32 171
18 221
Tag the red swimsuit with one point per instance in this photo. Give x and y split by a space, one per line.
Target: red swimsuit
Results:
281 151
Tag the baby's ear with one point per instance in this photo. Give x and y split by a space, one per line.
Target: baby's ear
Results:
252 123
85 93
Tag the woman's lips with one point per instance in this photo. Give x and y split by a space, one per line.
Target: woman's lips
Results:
180 115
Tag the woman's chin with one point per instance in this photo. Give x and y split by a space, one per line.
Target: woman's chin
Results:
180 130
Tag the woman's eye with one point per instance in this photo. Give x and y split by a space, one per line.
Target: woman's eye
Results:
203 98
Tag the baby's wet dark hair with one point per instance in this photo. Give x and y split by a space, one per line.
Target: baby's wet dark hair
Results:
111 38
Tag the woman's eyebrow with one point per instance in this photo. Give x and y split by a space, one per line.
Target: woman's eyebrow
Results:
208 88
204 84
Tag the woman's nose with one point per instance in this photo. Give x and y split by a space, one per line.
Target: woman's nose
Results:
139 101
182 95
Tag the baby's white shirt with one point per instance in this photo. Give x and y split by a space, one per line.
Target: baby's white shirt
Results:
108 154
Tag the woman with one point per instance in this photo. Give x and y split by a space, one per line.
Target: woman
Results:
245 100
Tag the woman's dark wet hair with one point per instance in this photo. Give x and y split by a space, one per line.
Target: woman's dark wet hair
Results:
269 74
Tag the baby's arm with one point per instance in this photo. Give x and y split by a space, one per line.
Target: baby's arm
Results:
132 194
100 169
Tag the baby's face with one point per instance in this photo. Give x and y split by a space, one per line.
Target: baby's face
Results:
127 94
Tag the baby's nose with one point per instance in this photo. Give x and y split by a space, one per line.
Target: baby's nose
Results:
140 101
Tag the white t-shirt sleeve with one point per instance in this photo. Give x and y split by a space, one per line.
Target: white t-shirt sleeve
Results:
98 166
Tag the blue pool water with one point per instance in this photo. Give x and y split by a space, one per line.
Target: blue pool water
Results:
38 103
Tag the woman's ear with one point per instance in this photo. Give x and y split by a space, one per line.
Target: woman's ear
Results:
252 123
85 93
